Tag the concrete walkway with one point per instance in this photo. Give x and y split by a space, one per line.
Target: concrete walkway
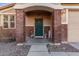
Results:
41 50
31 41
76 45
38 50
38 47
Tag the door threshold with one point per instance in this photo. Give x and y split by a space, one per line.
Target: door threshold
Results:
38 36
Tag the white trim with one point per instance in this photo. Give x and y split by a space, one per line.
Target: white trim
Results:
66 18
8 13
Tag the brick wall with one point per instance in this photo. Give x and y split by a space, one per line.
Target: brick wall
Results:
28 30
6 33
20 23
64 32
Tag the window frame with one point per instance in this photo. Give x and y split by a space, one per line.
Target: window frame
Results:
9 26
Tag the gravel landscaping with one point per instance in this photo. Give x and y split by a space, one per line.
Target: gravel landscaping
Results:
11 49
61 48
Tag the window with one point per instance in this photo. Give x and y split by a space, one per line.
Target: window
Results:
9 21
5 21
12 21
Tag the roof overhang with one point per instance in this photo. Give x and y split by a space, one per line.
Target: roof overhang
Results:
71 7
7 6
26 5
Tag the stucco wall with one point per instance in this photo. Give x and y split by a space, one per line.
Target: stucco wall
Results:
30 20
8 10
73 26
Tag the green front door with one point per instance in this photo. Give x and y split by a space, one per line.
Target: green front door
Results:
38 27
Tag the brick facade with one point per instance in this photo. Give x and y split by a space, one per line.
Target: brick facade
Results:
20 22
29 30
46 29
64 32
56 26
6 33
59 31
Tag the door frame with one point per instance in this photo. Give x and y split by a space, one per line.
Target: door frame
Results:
41 17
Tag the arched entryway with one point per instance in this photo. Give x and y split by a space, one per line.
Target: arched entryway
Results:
55 22
37 24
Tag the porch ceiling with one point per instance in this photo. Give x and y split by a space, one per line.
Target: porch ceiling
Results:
33 8
38 12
